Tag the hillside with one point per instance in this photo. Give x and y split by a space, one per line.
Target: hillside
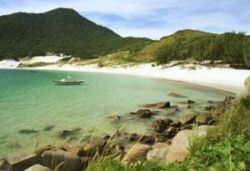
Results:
59 31
230 47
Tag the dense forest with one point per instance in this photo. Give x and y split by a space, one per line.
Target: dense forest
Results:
59 31
230 47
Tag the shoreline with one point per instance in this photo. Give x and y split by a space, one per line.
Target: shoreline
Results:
221 78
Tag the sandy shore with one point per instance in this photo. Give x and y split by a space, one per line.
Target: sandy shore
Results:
224 78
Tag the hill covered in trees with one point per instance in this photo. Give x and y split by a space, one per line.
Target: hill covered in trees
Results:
230 47
59 31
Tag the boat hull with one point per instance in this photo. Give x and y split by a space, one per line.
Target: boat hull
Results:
68 82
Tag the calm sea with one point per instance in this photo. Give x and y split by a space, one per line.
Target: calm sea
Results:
30 100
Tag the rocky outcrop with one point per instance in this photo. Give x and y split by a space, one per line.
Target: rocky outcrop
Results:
179 149
137 153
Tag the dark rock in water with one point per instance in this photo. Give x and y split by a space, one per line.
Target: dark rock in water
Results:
160 105
187 118
203 118
143 113
176 95
14 145
160 125
28 131
68 133
190 102
49 127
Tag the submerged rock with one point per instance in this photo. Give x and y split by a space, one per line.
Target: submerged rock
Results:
68 133
28 131
176 95
49 127
160 105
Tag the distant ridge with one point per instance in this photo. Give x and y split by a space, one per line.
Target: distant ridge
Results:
61 30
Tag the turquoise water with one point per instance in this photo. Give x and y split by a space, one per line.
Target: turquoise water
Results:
30 100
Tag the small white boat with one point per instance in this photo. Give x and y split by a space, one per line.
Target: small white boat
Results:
68 81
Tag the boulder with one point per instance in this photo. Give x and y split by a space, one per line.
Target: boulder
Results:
176 95
143 113
187 118
159 152
38 167
180 145
247 84
160 105
53 158
160 125
93 148
203 118
137 153
70 164
24 161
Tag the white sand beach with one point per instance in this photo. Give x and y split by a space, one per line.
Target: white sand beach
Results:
223 78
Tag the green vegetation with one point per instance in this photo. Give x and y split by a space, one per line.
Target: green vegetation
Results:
65 31
230 47
227 147
60 31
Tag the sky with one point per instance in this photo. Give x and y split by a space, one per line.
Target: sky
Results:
149 18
